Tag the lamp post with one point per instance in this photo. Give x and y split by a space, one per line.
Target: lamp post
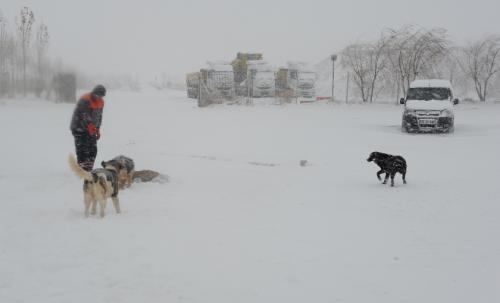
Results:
333 57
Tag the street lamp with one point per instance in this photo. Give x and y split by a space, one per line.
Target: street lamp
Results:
333 57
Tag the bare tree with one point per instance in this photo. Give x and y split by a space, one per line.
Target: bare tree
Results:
24 25
355 58
379 60
415 52
42 43
13 63
25 68
367 61
481 61
3 55
400 56
8 59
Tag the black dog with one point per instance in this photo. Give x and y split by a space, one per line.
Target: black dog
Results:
390 165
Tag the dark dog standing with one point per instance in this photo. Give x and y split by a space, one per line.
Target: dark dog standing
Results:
390 165
125 167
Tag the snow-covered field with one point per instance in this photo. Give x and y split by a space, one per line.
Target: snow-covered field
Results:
240 219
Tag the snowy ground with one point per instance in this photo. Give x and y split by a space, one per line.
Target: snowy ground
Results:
241 220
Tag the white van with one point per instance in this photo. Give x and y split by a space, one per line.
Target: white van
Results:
429 107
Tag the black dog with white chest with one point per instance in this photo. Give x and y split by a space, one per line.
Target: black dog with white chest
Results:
390 165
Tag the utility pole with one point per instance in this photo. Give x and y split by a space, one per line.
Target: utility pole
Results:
333 57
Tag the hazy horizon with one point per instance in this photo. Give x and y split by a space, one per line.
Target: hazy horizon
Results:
175 37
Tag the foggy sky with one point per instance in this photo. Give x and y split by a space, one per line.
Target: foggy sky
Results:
150 37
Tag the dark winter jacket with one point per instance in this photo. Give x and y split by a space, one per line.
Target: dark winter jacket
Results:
87 116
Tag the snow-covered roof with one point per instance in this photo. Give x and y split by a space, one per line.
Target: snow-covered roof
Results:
257 62
260 65
222 66
431 83
299 65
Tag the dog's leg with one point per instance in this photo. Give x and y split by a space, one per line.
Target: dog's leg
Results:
116 203
87 202
386 178
379 173
126 180
93 204
130 178
404 176
93 211
392 178
123 181
102 207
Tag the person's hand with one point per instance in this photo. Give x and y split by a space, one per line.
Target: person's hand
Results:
92 129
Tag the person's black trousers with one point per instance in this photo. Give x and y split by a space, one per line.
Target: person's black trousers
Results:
86 150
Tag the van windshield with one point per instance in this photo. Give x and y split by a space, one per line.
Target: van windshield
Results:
428 93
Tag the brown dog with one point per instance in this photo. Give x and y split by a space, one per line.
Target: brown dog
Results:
149 176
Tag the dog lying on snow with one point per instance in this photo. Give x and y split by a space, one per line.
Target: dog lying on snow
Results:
125 167
127 173
390 165
149 176
99 185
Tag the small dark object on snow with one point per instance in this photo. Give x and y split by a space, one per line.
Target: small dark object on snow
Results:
389 164
303 162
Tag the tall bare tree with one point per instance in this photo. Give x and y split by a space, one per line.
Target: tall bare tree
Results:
8 59
42 43
3 55
415 52
481 61
24 27
367 61
379 60
355 58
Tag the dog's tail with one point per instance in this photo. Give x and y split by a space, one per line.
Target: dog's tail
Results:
77 169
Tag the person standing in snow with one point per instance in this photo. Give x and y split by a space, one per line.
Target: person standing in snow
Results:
85 125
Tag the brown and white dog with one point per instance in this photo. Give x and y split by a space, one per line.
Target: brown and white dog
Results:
99 185
125 167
